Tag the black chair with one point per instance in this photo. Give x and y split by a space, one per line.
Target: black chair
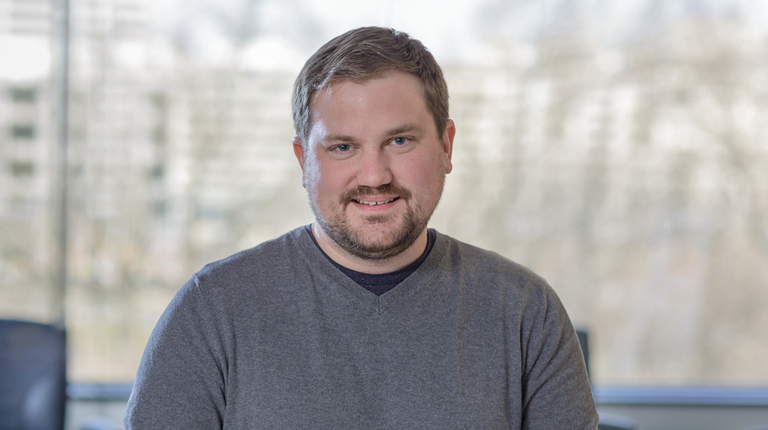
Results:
583 336
607 422
32 376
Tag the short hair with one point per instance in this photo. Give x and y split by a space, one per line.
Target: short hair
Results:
366 53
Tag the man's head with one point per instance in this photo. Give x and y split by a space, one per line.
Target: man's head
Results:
364 53
374 146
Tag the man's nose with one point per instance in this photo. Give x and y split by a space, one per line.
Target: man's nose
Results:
374 170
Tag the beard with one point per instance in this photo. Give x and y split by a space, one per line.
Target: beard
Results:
377 238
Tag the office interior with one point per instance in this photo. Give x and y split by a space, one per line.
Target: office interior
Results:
615 148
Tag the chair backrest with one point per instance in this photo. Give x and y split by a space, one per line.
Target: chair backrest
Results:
583 336
607 422
32 376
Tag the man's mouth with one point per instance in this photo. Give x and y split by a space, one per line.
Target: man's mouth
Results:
363 202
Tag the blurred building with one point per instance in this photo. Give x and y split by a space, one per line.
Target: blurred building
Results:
632 177
27 156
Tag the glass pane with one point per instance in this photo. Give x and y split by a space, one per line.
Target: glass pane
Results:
616 149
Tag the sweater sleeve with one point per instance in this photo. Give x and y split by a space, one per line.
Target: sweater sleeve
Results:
180 382
556 389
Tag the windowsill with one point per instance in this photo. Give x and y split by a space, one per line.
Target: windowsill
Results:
681 396
98 392
604 395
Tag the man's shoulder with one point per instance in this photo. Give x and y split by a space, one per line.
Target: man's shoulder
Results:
475 257
271 256
486 267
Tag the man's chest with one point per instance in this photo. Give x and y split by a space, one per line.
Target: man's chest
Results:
377 375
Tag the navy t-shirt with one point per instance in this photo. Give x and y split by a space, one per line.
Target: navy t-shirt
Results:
381 283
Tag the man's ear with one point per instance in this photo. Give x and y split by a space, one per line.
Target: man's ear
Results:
448 134
298 150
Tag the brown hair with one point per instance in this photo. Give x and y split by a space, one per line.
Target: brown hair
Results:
366 53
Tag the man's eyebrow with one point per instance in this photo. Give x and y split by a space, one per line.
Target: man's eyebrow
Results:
338 138
405 128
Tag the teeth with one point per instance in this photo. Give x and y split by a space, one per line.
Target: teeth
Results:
374 203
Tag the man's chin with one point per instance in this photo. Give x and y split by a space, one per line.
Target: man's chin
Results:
376 245
376 239
377 251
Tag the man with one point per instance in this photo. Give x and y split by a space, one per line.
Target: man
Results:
366 319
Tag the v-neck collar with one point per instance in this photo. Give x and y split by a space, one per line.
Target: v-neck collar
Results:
420 280
380 283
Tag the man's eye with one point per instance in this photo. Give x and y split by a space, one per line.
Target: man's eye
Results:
400 141
341 148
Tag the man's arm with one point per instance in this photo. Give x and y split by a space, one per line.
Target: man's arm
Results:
180 381
556 389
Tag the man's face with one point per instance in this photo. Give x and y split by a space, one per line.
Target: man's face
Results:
374 165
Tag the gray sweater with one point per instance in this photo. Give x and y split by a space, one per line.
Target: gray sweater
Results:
276 337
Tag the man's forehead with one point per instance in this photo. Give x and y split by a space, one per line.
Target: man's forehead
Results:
397 91
340 113
335 80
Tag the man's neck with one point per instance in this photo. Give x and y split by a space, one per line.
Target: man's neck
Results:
387 265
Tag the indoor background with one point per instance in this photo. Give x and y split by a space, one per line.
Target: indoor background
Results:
617 148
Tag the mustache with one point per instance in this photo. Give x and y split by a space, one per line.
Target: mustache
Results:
387 189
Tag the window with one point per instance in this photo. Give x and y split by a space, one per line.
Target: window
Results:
22 169
23 95
23 131
619 155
